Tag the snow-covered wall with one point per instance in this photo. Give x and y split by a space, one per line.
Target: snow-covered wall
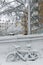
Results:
7 43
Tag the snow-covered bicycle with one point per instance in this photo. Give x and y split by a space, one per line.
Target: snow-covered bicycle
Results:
22 54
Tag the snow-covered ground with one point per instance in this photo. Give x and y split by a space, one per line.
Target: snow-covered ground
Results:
7 45
36 62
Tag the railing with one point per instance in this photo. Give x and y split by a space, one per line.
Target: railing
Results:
20 38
